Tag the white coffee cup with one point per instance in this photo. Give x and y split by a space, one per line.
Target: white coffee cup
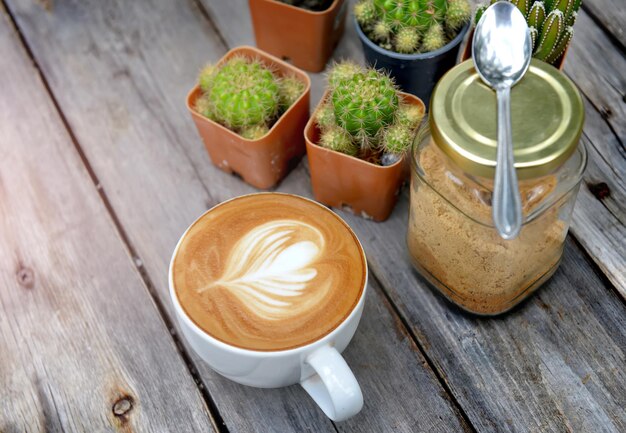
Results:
318 366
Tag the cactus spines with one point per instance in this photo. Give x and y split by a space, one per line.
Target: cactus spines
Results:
290 89
254 132
364 104
342 71
339 140
203 106
572 19
522 5
434 38
536 15
407 40
325 117
534 34
458 13
409 116
565 6
365 13
381 30
561 45
397 139
397 22
480 10
550 33
205 79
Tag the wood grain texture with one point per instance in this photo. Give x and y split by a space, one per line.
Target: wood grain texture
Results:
612 16
145 151
82 346
596 66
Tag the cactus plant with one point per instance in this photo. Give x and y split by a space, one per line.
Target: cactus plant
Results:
364 115
551 25
245 96
400 25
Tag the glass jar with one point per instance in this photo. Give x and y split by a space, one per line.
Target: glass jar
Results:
451 236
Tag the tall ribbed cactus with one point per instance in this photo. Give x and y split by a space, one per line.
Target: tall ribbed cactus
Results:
551 25
245 96
412 26
364 115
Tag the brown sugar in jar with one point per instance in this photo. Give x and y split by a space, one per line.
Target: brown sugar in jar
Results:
451 237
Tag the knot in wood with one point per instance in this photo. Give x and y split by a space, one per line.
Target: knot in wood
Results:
122 406
25 277
600 190
605 112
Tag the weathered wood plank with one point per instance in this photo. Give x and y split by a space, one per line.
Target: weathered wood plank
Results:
82 346
150 162
506 375
612 15
596 66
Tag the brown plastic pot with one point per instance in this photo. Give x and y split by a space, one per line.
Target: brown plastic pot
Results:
343 181
467 52
264 162
303 37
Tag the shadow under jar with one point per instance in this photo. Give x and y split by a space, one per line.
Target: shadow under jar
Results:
451 237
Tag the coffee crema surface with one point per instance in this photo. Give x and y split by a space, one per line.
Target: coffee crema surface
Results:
269 272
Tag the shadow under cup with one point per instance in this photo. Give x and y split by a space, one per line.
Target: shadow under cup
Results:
317 365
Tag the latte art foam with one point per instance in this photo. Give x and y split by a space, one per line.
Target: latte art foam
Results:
268 272
271 269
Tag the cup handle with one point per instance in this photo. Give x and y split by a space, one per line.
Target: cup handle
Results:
334 388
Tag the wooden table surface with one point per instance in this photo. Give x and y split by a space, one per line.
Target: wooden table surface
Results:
101 170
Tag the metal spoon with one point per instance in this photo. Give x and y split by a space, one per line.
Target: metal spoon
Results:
501 50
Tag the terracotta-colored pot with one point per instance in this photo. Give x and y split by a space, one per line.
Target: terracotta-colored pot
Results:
343 181
263 162
467 52
305 38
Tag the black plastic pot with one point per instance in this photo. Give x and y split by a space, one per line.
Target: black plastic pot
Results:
414 73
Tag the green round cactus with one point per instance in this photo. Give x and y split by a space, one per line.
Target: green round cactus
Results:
365 13
339 140
254 132
409 116
205 79
325 117
244 93
407 40
203 106
381 30
397 139
458 13
397 24
342 71
434 38
365 103
290 90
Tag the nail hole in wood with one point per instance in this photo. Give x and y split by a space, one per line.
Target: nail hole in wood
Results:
122 406
26 277
600 190
605 112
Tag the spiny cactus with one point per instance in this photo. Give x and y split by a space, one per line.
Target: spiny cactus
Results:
400 25
364 115
290 89
550 23
245 96
365 103
254 132
409 115
325 117
338 139
397 140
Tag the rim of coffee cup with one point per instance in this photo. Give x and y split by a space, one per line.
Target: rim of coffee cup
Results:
263 353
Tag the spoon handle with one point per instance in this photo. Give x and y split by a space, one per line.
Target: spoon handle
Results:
507 204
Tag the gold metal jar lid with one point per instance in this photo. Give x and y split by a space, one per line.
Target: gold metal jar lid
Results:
547 116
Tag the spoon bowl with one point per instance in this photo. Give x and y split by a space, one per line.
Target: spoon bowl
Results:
502 49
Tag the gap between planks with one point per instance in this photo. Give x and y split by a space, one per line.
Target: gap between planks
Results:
215 416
